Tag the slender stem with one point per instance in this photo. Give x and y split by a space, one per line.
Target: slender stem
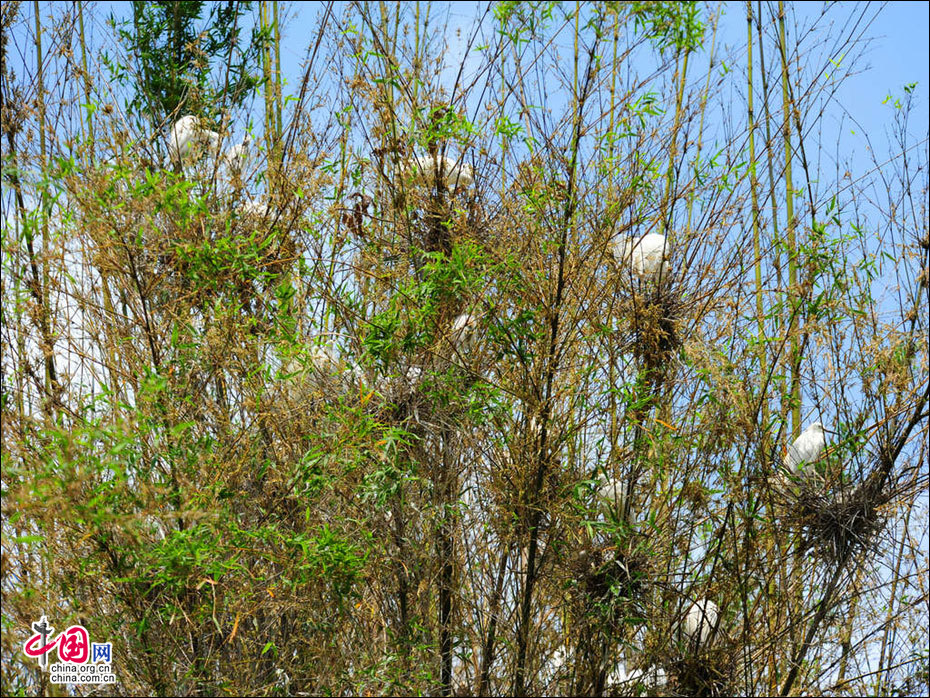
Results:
795 358
277 69
51 377
756 232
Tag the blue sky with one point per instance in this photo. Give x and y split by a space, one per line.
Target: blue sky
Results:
896 53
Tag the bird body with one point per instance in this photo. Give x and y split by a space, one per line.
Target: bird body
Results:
255 209
805 451
463 331
236 157
611 492
700 621
188 141
653 677
424 170
645 257
325 361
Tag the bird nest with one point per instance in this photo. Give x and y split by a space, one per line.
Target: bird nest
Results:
709 671
606 577
653 319
836 523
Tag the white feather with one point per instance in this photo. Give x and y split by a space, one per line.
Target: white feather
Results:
254 209
611 492
188 141
237 156
806 450
464 331
423 170
645 257
652 677
700 621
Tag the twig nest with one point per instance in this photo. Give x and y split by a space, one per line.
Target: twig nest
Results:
836 522
188 142
805 452
644 257
700 622
426 171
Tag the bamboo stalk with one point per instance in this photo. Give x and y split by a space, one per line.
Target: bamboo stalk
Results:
756 232
51 376
667 207
795 358
277 69
271 138
700 139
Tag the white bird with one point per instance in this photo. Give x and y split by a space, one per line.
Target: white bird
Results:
645 256
237 156
424 170
556 664
413 376
188 141
611 492
463 331
355 375
700 621
652 677
325 360
805 451
254 209
155 527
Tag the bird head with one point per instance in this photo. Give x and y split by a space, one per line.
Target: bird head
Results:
187 122
816 428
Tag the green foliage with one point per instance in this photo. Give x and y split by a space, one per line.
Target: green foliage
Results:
176 47
670 24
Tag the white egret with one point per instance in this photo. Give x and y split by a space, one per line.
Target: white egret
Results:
653 677
700 622
611 493
413 376
254 209
805 451
556 664
188 141
325 360
424 170
237 156
464 331
155 528
645 257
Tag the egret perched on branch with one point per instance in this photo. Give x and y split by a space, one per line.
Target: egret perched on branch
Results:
325 360
254 209
188 141
425 169
805 451
653 677
611 494
644 257
463 331
700 623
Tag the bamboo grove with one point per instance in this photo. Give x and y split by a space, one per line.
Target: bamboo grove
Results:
332 421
